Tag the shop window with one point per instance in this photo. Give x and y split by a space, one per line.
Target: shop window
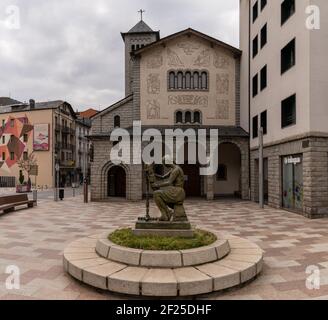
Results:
288 56
222 173
288 111
287 10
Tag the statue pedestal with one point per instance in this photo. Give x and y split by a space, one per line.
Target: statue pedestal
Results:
163 228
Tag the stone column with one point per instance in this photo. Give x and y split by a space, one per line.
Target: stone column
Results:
210 187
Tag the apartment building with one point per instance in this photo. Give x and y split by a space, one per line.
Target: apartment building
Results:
46 129
284 90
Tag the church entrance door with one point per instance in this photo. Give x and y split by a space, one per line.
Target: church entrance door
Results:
116 186
192 180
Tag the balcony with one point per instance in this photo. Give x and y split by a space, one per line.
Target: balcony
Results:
67 163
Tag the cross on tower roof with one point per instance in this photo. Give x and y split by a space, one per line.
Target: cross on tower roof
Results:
141 11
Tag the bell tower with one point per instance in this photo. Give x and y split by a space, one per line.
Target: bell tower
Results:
138 37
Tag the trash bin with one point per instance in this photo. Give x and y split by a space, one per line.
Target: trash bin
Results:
61 194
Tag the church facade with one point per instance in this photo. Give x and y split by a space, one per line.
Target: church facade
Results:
183 81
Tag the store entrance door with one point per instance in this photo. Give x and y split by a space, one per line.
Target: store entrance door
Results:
292 183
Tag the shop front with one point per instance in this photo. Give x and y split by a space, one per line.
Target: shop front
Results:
292 182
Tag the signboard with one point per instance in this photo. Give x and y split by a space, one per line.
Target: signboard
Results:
41 137
293 160
34 171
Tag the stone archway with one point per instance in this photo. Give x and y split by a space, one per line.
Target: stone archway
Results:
116 182
228 178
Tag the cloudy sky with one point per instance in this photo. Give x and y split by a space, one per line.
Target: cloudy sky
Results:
72 49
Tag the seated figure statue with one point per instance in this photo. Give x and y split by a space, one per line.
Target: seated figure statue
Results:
169 192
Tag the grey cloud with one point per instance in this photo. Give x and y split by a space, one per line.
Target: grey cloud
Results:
73 50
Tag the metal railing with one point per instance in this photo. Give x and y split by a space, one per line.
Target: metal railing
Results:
7 182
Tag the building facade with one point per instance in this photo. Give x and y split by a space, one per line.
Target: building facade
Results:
284 88
186 80
46 130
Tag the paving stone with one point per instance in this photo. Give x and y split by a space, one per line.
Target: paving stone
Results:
257 259
102 247
75 267
125 255
199 256
97 276
247 269
150 258
191 281
80 256
223 277
127 281
159 283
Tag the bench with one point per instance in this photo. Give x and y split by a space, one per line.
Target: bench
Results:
8 203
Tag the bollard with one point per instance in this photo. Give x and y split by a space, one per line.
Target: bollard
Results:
35 196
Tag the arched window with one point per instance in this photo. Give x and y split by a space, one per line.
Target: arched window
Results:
117 121
196 80
133 47
188 80
172 80
178 117
204 80
197 117
188 117
180 80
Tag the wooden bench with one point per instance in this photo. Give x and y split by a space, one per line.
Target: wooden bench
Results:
9 203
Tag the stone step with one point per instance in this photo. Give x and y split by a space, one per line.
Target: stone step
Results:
241 265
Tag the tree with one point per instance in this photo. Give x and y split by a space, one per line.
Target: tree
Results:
27 164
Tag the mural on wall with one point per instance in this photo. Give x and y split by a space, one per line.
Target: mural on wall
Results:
220 61
41 137
153 83
188 99
12 145
222 83
155 61
189 47
153 110
173 59
204 59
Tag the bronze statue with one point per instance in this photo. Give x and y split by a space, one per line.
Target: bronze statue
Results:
169 193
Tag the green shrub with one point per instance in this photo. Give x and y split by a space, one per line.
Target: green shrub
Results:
126 238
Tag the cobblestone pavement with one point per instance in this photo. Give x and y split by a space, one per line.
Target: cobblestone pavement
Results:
34 241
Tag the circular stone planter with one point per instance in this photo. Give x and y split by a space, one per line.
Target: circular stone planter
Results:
89 260
162 259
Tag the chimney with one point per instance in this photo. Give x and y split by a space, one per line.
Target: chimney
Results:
32 104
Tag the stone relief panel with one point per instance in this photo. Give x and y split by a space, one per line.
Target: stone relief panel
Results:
222 109
222 83
153 110
203 59
173 59
189 47
190 100
153 83
221 61
155 61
